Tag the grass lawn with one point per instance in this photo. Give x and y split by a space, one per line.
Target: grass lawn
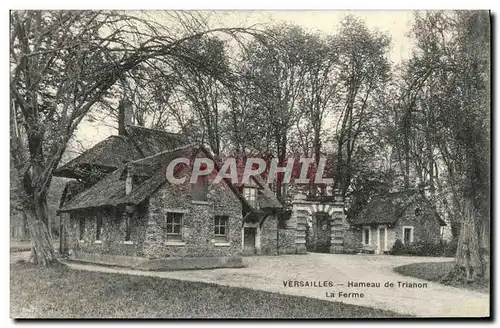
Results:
433 271
60 292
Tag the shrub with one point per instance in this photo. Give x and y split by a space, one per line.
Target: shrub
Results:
353 247
450 247
425 248
398 248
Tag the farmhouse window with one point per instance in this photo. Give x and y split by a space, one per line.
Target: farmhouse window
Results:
82 228
251 196
98 230
220 228
174 226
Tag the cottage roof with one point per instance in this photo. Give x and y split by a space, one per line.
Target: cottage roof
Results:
71 189
157 166
110 191
389 207
266 198
114 151
107 192
158 163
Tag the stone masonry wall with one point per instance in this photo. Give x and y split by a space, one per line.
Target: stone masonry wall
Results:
268 236
198 222
112 240
286 241
425 226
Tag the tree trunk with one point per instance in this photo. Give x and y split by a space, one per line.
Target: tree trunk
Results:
455 228
279 178
35 209
469 259
42 213
63 234
42 251
23 232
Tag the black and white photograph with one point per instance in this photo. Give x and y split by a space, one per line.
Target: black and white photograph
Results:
249 164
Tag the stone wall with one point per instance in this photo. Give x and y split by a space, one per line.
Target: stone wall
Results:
112 240
286 241
268 236
198 222
142 263
426 226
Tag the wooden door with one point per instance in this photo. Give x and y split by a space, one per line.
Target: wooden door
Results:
382 239
249 240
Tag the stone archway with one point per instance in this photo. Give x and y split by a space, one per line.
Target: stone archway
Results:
303 212
318 238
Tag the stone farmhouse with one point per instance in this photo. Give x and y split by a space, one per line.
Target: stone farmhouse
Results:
119 209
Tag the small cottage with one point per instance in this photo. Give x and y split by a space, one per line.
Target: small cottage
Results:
407 216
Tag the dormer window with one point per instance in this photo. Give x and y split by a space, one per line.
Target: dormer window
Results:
129 183
250 194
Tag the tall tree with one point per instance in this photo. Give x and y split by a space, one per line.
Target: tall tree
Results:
363 69
63 64
206 89
446 128
320 89
277 70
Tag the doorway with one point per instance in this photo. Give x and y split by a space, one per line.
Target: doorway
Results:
382 235
321 233
249 235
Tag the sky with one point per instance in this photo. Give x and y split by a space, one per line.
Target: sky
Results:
395 23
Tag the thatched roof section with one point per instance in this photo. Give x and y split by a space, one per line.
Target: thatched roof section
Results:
107 192
111 190
266 198
151 141
159 162
113 152
158 165
388 208
71 189
106 155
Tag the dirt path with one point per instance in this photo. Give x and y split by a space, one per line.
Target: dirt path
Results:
269 272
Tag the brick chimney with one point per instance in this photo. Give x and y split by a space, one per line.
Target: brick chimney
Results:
125 114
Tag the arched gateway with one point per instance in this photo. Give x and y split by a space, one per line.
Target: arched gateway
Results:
328 221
